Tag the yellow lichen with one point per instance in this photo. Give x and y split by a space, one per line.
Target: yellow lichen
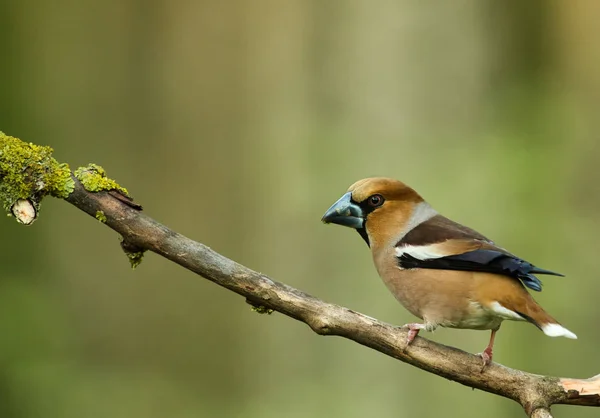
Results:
101 216
260 309
28 171
93 178
135 258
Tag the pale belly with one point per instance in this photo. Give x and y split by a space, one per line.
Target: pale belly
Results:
477 318
448 303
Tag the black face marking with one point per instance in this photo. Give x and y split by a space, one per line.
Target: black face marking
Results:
488 261
366 209
363 233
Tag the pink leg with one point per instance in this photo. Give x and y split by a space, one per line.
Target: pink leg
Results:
413 331
488 352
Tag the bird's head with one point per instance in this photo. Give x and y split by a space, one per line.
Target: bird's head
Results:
378 208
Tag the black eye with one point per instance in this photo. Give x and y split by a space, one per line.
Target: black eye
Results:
376 200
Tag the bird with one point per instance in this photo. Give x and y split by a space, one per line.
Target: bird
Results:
442 272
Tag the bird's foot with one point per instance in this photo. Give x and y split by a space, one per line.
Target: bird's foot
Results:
413 331
486 356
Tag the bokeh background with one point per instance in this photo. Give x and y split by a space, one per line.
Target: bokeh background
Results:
238 123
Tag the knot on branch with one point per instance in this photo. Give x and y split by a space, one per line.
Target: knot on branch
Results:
134 253
320 324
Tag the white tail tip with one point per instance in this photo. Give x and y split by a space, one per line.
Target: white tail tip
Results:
557 330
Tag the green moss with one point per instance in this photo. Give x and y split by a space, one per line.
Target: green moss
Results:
135 258
93 178
101 216
28 171
262 310
134 253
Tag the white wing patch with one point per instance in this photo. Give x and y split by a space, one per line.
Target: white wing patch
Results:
421 252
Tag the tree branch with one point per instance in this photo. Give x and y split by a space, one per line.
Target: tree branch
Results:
535 393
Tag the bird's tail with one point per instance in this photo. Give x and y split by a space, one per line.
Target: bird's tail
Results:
554 329
541 319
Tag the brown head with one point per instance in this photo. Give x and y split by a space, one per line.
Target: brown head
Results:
379 208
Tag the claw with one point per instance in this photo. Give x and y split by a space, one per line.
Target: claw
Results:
486 356
413 331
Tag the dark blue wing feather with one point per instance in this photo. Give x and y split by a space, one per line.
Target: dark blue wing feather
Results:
484 260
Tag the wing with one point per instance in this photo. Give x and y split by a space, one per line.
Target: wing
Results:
440 243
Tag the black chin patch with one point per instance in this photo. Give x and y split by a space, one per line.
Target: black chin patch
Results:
363 233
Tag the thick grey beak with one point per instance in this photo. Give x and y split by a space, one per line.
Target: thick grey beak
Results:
345 212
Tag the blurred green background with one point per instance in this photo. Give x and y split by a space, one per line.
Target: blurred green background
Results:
238 123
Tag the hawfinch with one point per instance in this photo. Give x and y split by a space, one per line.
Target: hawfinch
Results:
442 272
